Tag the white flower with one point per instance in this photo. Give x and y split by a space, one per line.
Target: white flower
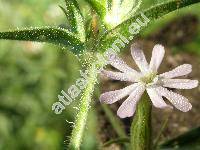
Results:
155 85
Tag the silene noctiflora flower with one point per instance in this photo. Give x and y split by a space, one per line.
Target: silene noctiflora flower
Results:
155 85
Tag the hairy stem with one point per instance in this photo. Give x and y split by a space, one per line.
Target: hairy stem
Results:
81 118
141 126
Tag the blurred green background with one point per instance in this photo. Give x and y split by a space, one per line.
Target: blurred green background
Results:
33 74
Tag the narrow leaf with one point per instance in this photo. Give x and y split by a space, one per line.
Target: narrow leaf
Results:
57 36
119 141
75 18
187 140
100 6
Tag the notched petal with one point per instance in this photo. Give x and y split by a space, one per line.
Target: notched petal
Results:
119 64
139 57
128 107
157 99
120 76
178 71
157 57
179 101
113 96
180 83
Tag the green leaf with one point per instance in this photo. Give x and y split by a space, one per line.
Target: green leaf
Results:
75 18
188 140
153 13
100 6
119 141
57 36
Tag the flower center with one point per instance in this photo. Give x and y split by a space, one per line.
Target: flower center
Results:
149 78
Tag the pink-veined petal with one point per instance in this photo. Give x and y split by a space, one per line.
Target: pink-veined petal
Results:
139 57
119 64
128 107
120 76
157 57
113 96
157 99
179 101
180 83
178 71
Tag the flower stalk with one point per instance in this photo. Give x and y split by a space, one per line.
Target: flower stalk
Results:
141 126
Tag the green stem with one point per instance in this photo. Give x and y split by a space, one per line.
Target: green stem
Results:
81 119
141 126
